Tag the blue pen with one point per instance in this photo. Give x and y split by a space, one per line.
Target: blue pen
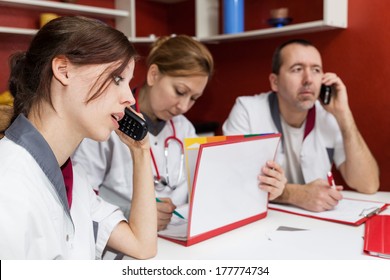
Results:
174 211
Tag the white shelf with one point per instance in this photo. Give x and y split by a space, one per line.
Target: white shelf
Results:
168 1
335 15
19 31
146 40
291 29
122 13
64 7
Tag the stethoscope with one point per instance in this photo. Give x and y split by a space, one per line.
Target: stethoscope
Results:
161 182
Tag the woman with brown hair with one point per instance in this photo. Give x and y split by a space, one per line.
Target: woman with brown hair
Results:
71 83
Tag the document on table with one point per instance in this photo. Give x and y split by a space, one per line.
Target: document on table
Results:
348 211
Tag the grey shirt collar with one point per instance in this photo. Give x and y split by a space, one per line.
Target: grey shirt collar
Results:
23 133
275 113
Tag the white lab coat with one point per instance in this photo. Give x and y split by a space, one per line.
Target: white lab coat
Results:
35 222
321 147
110 167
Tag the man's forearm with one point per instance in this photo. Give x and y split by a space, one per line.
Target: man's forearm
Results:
290 195
360 170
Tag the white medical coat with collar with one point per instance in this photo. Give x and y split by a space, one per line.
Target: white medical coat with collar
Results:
33 223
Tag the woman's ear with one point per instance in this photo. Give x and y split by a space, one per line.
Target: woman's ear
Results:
273 80
152 74
60 66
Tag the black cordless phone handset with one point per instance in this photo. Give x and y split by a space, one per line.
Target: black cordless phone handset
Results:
325 94
133 125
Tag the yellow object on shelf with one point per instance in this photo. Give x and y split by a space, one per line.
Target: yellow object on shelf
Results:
6 113
6 98
46 17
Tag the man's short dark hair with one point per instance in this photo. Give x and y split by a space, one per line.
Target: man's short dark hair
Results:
277 59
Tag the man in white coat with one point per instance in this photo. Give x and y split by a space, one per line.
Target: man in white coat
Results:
315 135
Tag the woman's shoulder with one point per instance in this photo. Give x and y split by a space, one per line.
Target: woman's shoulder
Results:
183 125
181 120
10 151
17 165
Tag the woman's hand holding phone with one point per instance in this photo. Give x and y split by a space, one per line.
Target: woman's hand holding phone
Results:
133 125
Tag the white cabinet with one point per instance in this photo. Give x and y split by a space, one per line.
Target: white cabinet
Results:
335 15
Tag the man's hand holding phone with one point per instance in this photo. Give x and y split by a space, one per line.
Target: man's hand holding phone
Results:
338 103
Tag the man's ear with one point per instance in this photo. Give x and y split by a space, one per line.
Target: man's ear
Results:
60 66
273 80
152 74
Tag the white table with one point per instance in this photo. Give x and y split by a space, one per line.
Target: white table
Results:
322 240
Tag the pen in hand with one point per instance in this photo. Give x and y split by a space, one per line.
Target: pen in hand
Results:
174 211
331 180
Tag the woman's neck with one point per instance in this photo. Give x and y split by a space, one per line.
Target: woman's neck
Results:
63 142
144 102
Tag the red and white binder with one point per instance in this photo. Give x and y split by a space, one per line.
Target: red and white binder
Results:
377 236
223 185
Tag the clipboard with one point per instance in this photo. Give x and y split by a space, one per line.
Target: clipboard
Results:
223 185
348 211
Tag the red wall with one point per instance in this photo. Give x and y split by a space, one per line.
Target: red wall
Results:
359 55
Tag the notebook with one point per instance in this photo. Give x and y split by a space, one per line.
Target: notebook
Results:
223 186
348 211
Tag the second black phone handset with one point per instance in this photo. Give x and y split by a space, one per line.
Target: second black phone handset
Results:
325 94
133 125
